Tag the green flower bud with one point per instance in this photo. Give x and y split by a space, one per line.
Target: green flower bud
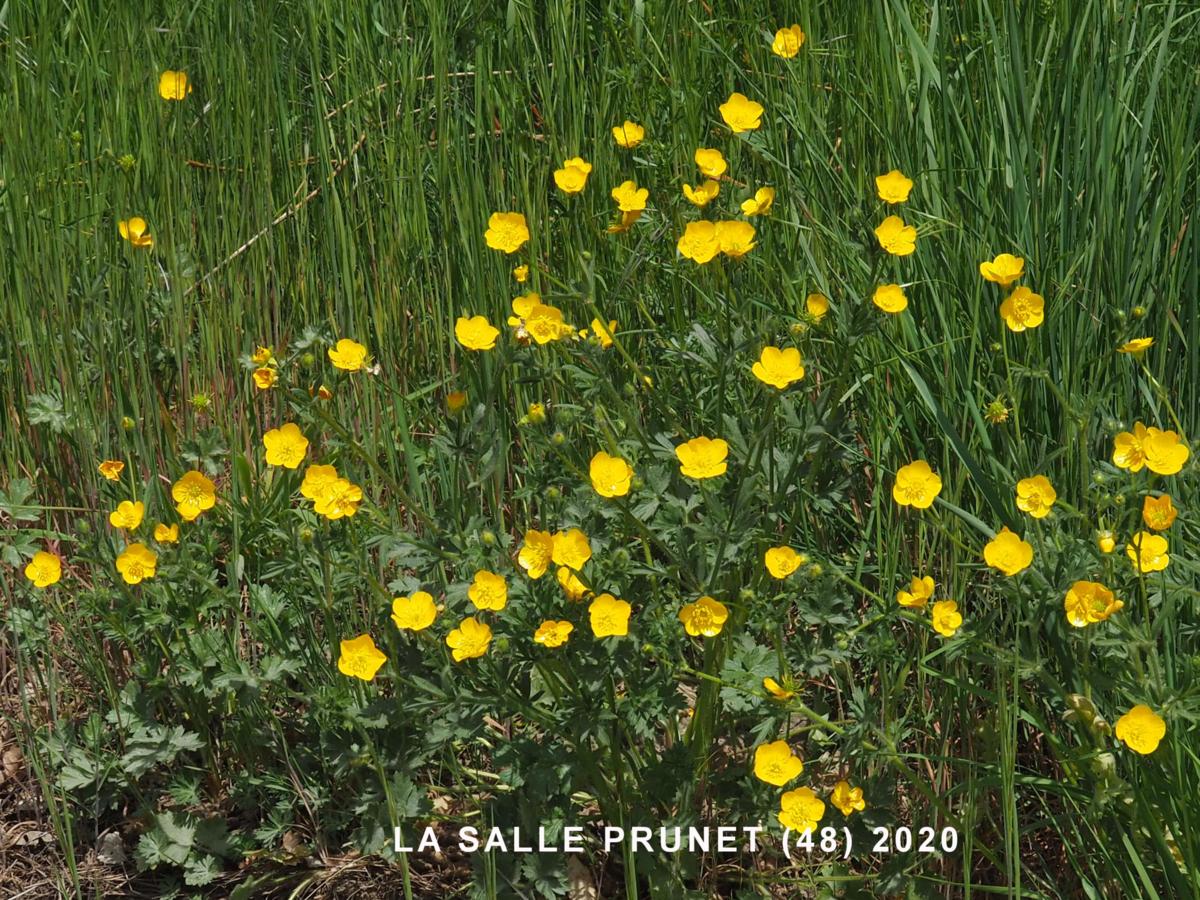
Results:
558 439
308 360
487 538
127 423
553 493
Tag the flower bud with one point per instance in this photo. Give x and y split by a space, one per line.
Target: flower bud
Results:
308 360
558 439
127 423
306 535
487 537
553 493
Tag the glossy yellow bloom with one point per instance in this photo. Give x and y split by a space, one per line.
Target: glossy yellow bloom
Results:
778 368
111 469
553 633
263 356
1159 512
946 618
127 515
734 237
630 197
893 187
783 561
895 237
918 593
1003 270
522 306
1129 449
800 810
1136 347
775 763
609 616
703 194
476 333
521 273
193 494
317 480
1106 541
760 204
916 485
699 241
741 113
136 563
572 586
573 175
628 135
705 617
173 85
415 612
166 534
1141 729
134 230
338 499
1148 552
1165 451
285 446
702 457
788 41
847 799
604 333
1089 602
545 324
890 298
265 377
488 591
506 231
348 355
1035 496
1023 309
44 569
470 640
360 658
776 690
1007 552
536 553
571 548
611 476
710 162
818 305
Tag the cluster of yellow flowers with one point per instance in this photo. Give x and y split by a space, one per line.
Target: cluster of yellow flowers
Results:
801 809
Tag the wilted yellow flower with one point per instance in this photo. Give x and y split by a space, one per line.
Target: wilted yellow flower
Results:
506 231
262 356
626 222
44 569
134 230
1035 496
1148 552
783 561
628 135
609 616
705 617
916 485
890 298
1007 552
847 799
1003 270
536 553
553 633
946 618
1023 309
703 194
1141 729
699 241
918 593
286 446
265 377
741 113
1089 602
776 690
111 469
734 237
348 355
710 162
818 305
800 810
604 333
136 563
778 368
775 763
760 204
894 187
788 41
337 499
996 411
1159 512
414 613
1106 541
166 534
127 515
611 476
895 237
173 85
360 658
469 640
573 175
702 457
193 494
630 197
1136 347
476 333
521 273
455 401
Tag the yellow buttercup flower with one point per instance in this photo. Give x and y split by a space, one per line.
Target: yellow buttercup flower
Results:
741 113
918 593
470 640
573 175
506 231
946 618
1023 309
1141 729
778 368
1106 541
760 204
348 355
415 612
776 690
847 799
1007 552
476 332
611 476
1035 496
699 241
890 298
521 273
338 499
111 469
173 85
1148 552
572 586
895 237
783 561
628 135
545 324
522 306
788 41
265 377
1129 449
536 553
44 569
134 230
702 457
1159 512
1003 270
193 494
1165 451
893 187
705 617
604 333
710 162
571 548
263 356
285 446
136 563
317 480
800 810
703 194
916 485
609 616
166 534
127 515
817 305
734 237
1136 347
775 763
1089 602
360 658
630 198
553 633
